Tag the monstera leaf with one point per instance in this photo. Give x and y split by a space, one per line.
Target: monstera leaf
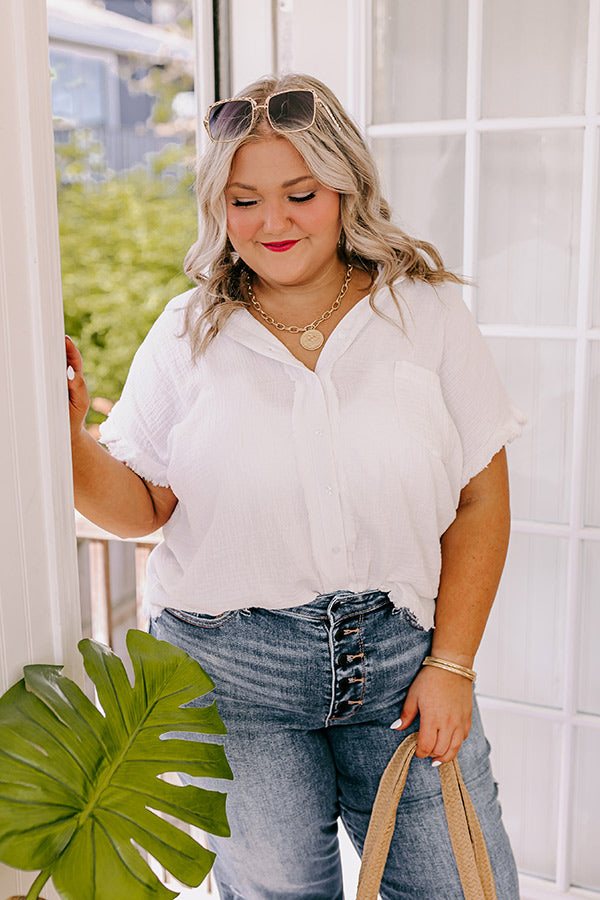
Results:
79 790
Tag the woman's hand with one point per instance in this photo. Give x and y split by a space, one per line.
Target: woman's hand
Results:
444 702
79 399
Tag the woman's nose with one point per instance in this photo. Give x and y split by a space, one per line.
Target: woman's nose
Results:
276 221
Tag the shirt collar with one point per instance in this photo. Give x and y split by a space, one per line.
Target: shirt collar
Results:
241 326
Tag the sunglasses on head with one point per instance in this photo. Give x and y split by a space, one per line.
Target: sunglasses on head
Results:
287 111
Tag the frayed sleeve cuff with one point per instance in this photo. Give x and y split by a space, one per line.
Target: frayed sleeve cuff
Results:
138 462
503 435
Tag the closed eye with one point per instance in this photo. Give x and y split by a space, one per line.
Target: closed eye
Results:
244 204
301 198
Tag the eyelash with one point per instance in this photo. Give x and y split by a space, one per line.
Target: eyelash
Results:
246 204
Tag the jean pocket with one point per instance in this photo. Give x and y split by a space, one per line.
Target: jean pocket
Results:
201 619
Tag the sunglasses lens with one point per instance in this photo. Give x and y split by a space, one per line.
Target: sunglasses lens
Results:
230 120
292 110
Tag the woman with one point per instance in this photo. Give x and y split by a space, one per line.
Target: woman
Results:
319 429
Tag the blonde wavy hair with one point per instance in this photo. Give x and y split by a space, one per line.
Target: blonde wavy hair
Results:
339 159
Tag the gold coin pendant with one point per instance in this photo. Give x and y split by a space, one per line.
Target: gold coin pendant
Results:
311 339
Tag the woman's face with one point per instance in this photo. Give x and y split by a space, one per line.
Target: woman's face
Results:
284 224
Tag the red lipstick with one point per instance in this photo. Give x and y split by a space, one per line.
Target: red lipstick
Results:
280 246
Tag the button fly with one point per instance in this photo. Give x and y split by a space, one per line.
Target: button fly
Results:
348 662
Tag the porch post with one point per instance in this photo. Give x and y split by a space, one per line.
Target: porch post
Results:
39 605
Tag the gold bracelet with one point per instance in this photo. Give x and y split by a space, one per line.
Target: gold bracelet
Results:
450 667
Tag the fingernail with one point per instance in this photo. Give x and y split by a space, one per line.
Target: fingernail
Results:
396 724
70 373
436 763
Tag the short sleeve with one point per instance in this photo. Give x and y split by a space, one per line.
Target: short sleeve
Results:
139 425
474 394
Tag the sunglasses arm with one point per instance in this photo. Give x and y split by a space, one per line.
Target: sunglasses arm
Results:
328 111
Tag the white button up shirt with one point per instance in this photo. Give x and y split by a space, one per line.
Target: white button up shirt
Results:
292 483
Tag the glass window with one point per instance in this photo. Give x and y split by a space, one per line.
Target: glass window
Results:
522 651
529 227
589 670
527 179
534 57
526 774
127 216
539 376
423 179
419 60
79 89
592 482
586 803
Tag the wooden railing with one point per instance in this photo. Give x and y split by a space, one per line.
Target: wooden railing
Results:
102 627
101 607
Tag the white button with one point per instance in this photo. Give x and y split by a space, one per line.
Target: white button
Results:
329 489
319 432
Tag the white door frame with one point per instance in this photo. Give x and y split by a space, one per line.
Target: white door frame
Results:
39 601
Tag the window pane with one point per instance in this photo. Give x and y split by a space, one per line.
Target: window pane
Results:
592 483
423 179
525 761
539 376
534 57
79 88
419 60
529 227
589 670
521 655
586 803
126 209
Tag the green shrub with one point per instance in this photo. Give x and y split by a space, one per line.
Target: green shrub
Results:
123 238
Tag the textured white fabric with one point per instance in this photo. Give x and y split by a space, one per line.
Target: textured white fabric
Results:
293 483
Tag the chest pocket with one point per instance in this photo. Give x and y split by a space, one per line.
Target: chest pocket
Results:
422 413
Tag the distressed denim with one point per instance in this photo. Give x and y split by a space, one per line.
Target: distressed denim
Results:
308 695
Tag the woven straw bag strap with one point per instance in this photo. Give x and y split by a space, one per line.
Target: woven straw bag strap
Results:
466 836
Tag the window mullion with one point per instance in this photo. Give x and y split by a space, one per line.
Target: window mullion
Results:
359 70
204 74
472 147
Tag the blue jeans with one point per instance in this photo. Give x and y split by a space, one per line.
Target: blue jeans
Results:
308 695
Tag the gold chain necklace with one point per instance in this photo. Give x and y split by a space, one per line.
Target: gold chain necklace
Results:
310 337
